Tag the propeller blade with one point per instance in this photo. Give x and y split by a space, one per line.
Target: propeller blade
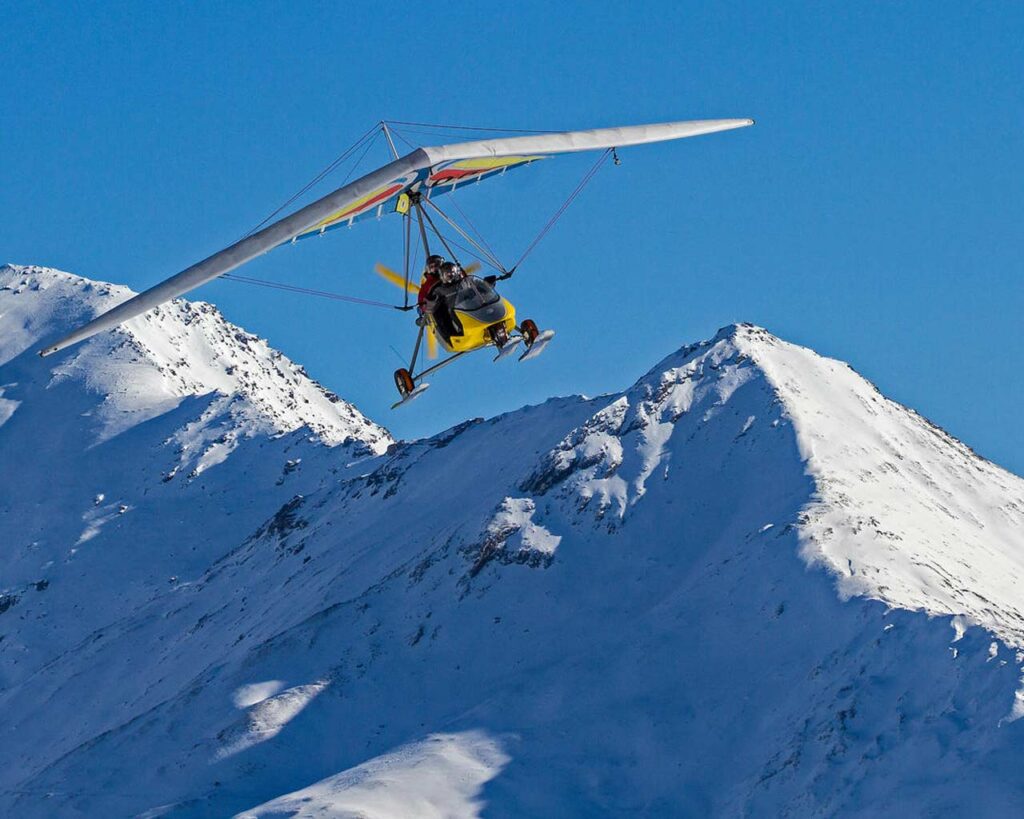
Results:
431 344
472 267
395 278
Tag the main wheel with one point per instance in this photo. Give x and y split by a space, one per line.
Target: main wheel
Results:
499 335
404 382
529 330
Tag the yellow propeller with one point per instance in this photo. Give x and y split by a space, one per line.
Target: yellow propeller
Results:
398 280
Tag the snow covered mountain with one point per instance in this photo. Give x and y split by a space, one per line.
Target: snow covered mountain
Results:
105 452
747 585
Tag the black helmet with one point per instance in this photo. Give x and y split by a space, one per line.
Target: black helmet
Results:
450 272
434 261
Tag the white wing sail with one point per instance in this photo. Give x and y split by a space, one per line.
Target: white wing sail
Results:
573 141
372 191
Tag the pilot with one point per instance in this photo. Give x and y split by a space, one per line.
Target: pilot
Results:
438 298
431 276
452 273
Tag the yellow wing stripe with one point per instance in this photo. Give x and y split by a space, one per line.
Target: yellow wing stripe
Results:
379 195
491 162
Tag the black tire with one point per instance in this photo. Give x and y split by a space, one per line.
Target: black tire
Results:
529 330
404 382
499 335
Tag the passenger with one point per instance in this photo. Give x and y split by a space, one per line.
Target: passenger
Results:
438 300
431 277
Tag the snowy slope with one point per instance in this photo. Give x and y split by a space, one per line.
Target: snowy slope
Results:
106 452
906 513
179 350
747 585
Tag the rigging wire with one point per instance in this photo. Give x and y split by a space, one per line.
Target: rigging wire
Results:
467 127
428 137
447 135
306 291
470 252
490 257
465 217
437 233
482 244
398 134
397 354
565 205
369 142
406 240
359 161
316 179
415 257
391 142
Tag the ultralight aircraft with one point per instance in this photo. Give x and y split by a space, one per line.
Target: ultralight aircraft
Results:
408 185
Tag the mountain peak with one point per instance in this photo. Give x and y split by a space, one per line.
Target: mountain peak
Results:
901 511
177 351
480 606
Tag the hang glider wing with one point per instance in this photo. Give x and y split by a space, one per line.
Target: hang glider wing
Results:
429 170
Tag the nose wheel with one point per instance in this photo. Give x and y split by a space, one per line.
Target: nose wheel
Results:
407 387
404 382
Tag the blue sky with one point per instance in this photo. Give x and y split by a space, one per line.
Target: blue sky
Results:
874 212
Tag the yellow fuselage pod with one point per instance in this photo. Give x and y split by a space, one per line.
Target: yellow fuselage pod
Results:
475 332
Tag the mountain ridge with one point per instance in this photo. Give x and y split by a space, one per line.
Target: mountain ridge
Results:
177 350
748 583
